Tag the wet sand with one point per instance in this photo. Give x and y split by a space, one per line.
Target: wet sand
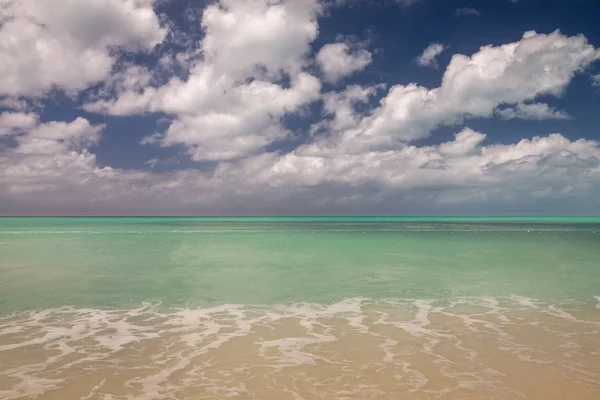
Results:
403 349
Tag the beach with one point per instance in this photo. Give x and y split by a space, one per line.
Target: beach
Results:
300 308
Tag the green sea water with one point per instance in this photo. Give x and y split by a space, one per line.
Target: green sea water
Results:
200 262
300 308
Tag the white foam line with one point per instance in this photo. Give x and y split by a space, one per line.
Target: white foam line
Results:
94 390
525 301
91 332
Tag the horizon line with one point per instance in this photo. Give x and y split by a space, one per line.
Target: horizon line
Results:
297 216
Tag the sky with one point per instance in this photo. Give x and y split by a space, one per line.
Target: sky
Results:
299 107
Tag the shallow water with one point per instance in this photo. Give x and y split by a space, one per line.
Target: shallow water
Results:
299 308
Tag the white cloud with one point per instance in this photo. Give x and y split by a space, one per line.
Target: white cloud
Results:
251 70
16 122
537 111
241 121
244 35
474 86
13 104
340 108
218 118
69 44
429 56
48 158
463 172
56 138
467 11
596 80
232 103
338 60
462 163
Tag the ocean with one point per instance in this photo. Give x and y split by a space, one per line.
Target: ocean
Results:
300 308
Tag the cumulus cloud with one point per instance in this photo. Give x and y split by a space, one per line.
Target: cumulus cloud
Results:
50 156
474 86
463 162
242 36
429 56
58 138
338 60
537 111
68 44
9 103
253 67
461 173
247 119
15 122
340 108
232 103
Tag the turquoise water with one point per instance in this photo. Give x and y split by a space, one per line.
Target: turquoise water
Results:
197 262
300 308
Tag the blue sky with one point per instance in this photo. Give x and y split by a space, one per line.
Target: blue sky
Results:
299 107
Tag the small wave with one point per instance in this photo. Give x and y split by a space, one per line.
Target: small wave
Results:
410 345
